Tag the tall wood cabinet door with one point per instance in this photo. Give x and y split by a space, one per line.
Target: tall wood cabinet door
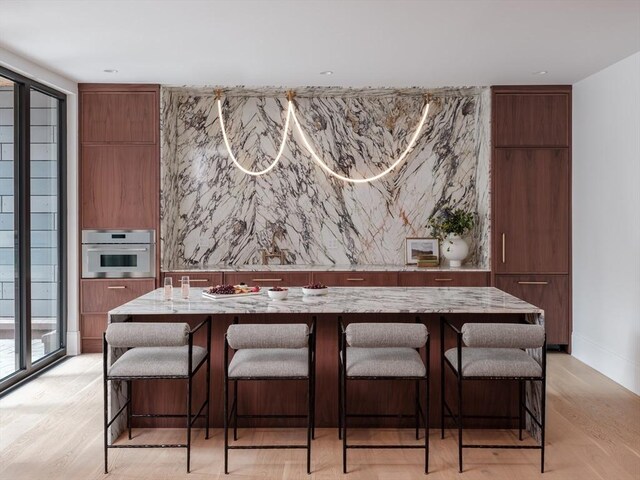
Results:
531 119
119 187
119 117
549 292
531 210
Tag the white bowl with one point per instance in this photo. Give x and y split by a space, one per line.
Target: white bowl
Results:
315 291
278 295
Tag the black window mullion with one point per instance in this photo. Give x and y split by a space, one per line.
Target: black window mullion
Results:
24 230
62 224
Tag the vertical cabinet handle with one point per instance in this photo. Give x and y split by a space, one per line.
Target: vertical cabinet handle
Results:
504 256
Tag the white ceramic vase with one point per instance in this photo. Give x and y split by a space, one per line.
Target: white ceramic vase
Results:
455 249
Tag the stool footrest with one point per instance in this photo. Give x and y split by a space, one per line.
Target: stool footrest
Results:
262 447
510 447
387 446
154 445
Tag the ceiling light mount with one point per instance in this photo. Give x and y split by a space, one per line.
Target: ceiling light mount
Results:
110 70
326 72
540 72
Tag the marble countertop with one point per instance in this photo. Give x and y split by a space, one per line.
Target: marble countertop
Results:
325 268
339 300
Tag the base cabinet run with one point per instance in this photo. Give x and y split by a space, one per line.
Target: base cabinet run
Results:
549 292
97 298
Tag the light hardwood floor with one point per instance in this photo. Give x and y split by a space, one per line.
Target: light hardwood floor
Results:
51 428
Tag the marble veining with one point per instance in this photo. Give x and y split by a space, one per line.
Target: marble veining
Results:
325 268
211 213
339 300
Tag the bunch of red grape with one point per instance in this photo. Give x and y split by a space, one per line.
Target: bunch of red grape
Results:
277 289
222 290
315 286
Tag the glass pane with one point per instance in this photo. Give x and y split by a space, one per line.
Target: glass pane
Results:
45 277
9 340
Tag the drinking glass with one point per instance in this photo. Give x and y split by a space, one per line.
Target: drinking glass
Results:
184 288
168 288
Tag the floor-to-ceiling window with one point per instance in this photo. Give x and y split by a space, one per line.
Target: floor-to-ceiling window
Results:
32 280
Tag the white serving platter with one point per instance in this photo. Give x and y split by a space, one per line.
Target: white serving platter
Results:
230 295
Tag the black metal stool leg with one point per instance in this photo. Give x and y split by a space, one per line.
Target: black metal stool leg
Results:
417 407
344 423
542 418
225 408
129 406
206 416
309 422
460 422
189 424
426 426
106 422
521 385
235 410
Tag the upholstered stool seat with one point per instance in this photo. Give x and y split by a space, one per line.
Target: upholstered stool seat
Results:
383 351
154 351
494 352
384 362
270 362
494 362
268 352
156 362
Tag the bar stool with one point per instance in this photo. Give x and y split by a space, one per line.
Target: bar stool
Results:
495 351
269 352
383 351
155 351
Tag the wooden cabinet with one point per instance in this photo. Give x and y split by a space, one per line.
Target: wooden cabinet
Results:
531 218
97 297
119 185
124 116
531 118
549 292
196 279
531 200
356 279
281 279
443 279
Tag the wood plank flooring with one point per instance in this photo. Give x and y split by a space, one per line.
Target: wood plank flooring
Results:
51 428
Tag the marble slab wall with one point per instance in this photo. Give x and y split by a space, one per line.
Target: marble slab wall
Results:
212 213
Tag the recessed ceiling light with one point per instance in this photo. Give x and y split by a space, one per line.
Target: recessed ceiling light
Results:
541 72
110 70
327 72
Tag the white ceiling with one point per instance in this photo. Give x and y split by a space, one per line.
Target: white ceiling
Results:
287 42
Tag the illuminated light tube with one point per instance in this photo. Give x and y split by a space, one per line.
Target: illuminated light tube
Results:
280 150
327 169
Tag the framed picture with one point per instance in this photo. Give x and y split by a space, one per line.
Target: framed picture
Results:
417 247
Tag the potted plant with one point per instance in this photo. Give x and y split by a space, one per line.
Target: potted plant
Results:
449 225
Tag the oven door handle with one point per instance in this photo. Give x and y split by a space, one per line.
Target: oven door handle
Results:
116 250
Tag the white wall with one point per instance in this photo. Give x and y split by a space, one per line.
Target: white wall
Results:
606 221
32 70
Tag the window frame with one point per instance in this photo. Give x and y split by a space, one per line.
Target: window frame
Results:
22 225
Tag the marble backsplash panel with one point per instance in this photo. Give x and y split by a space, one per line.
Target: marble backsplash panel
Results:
212 213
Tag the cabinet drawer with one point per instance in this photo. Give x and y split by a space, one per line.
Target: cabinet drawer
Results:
100 296
356 279
443 279
93 325
207 279
549 292
281 279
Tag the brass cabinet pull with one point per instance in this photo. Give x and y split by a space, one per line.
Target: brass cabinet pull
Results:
443 279
533 283
504 257
116 287
196 280
266 279
355 279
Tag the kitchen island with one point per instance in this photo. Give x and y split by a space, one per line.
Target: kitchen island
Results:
427 304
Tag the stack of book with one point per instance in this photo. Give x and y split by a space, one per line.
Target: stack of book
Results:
428 261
